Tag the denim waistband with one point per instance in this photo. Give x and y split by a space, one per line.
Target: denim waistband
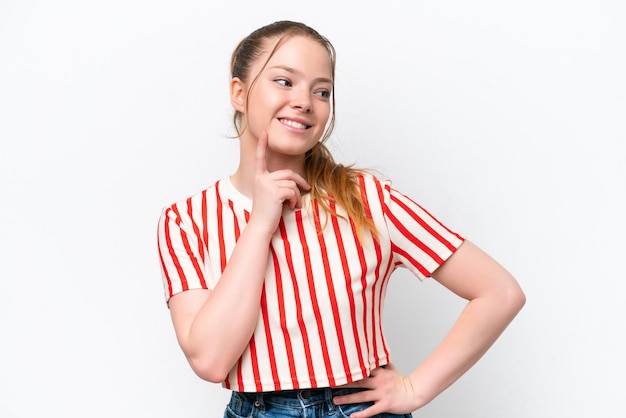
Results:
297 397
296 403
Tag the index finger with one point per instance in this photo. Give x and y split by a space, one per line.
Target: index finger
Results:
261 166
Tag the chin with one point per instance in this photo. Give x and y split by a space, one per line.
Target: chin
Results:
290 147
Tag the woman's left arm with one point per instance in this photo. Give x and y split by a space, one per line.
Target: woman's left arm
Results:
494 299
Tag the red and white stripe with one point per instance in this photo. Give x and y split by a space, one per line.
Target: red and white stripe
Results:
320 323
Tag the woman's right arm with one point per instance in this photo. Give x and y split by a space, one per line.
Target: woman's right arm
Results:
214 327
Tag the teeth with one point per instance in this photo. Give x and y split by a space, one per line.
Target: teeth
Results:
293 124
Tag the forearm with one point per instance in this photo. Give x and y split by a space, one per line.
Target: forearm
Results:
482 321
223 326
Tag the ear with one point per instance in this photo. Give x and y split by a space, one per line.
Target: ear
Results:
238 94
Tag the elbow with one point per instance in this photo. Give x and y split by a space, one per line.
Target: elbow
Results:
214 373
212 363
514 298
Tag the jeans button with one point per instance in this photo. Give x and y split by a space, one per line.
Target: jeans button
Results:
305 394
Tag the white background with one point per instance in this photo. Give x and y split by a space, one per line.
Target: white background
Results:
504 119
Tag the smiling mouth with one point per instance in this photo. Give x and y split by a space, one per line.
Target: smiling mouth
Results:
294 124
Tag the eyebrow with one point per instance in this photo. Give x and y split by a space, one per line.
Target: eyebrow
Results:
294 71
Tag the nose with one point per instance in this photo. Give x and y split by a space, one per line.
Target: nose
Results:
301 100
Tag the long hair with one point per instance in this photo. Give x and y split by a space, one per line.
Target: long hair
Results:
330 182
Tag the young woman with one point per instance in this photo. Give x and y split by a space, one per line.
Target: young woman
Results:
275 275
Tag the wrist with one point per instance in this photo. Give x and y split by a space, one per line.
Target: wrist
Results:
258 231
420 393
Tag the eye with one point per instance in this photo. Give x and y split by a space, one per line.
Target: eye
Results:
283 82
325 94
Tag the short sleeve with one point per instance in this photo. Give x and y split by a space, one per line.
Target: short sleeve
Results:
182 253
419 241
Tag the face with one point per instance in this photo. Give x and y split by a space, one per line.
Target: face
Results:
291 97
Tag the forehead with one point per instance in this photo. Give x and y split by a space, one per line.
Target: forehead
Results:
298 52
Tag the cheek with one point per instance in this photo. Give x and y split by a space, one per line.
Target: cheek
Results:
263 106
324 113
259 110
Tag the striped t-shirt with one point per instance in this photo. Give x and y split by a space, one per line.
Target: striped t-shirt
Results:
320 314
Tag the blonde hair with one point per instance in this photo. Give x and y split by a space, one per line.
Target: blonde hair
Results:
330 182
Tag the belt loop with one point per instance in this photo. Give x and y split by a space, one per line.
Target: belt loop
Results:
329 401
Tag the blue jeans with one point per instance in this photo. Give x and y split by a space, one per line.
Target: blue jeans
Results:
304 403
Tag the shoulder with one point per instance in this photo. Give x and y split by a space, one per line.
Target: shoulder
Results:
374 186
195 203
370 179
198 196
